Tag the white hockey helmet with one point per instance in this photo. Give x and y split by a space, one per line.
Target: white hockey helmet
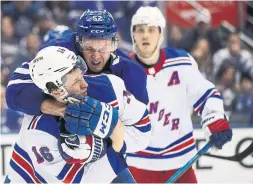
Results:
148 15
51 64
152 16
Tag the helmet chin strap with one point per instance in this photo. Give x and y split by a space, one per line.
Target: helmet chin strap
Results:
154 57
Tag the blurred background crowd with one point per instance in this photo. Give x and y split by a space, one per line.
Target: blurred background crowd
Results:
220 40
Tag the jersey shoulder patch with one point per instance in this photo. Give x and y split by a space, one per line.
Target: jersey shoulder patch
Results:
176 57
174 53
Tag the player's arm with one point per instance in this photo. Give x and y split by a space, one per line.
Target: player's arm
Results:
208 104
133 76
135 117
22 94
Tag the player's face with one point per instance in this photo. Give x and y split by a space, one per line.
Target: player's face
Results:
96 53
75 83
146 39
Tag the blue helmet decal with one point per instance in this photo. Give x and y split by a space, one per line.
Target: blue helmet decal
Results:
96 24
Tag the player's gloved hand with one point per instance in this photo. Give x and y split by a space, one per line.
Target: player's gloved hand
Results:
217 129
80 149
87 116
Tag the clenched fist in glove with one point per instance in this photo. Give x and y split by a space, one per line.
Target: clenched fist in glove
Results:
80 149
87 116
217 129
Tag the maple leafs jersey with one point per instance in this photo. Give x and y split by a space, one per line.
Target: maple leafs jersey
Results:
36 157
175 87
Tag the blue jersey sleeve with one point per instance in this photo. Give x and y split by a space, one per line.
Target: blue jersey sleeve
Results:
133 76
22 94
67 41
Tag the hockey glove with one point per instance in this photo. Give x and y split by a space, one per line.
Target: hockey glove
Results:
87 116
217 129
80 149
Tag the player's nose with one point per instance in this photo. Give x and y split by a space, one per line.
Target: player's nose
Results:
95 55
84 84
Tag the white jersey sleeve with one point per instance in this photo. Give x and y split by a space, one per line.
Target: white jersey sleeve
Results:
204 97
134 115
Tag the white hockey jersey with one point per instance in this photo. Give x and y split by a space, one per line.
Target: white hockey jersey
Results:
175 86
36 158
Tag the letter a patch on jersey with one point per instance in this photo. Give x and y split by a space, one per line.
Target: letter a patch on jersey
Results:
174 79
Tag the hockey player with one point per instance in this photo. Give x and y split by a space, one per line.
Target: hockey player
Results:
174 86
43 154
95 41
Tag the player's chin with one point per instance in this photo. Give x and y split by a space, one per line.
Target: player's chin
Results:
97 68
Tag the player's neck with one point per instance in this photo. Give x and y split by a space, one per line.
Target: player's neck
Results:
152 60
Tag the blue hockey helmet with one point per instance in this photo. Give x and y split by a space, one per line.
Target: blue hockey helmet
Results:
56 33
96 24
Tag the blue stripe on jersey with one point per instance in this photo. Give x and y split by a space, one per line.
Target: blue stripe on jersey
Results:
100 88
31 122
202 98
79 176
64 171
216 96
48 124
145 114
20 76
26 66
172 144
21 172
174 53
164 156
144 129
25 155
117 161
177 65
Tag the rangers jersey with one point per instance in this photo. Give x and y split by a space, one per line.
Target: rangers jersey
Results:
36 157
175 87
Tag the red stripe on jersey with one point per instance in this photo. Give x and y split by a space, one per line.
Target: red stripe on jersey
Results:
131 55
198 109
144 121
72 173
114 104
24 164
187 143
177 148
34 122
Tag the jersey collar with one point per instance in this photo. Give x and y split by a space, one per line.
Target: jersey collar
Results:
151 70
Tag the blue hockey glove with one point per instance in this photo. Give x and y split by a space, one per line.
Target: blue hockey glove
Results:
217 129
87 116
